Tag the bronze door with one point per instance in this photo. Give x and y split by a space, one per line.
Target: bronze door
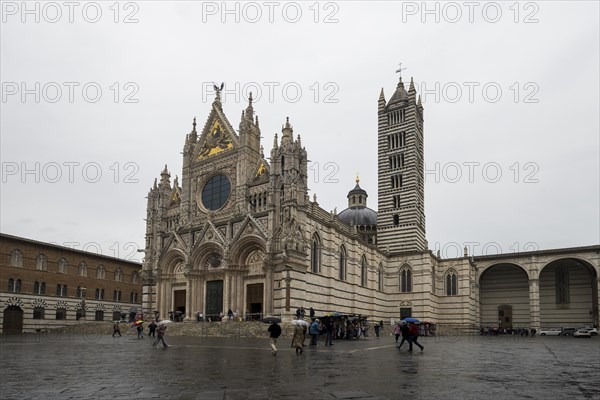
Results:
214 299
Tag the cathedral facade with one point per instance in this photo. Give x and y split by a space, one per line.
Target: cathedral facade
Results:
240 232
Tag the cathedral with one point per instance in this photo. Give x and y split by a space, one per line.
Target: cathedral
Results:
240 232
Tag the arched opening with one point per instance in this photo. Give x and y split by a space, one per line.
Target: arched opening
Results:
13 320
568 294
504 297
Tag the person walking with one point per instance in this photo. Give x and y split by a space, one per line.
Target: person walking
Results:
140 330
298 338
274 332
312 314
405 335
377 328
413 336
152 329
116 329
328 331
314 332
397 332
160 336
230 314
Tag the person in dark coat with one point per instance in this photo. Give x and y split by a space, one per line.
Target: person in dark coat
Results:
413 335
152 329
404 329
274 332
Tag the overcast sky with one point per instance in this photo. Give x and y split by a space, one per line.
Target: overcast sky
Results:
97 98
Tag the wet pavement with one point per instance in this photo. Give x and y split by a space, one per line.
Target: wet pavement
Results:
96 366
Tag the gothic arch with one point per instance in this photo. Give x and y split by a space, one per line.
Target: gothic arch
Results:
244 246
171 259
315 253
343 263
364 271
405 278
201 254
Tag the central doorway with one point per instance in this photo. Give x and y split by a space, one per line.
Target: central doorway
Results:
254 301
214 299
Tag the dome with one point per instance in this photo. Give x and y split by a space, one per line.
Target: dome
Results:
358 216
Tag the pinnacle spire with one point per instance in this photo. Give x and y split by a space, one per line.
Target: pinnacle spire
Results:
250 109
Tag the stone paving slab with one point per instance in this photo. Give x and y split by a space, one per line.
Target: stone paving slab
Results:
96 366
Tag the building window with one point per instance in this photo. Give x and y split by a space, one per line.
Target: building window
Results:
16 258
80 314
61 290
118 275
38 313
101 272
117 295
315 255
451 284
396 220
41 263
133 297
61 313
406 280
134 277
562 286
99 294
39 287
380 278
99 315
216 192
80 292
363 271
82 270
14 285
343 264
63 266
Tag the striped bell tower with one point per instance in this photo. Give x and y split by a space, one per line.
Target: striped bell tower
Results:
401 211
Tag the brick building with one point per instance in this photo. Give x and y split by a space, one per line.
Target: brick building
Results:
44 285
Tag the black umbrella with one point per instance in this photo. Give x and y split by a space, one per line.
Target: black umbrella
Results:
271 320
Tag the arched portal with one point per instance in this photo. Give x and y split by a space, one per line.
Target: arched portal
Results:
13 320
568 294
504 297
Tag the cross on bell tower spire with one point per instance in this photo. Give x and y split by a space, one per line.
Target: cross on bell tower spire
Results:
399 70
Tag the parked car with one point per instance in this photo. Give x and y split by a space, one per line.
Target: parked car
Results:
568 331
550 331
592 331
582 333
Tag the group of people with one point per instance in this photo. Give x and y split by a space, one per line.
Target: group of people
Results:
409 332
157 331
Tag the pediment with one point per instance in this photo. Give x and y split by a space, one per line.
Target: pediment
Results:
250 226
209 233
218 136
